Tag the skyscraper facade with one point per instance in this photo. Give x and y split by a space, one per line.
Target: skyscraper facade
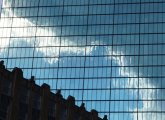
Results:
108 54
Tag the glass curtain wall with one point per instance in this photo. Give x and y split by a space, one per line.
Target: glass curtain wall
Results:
109 54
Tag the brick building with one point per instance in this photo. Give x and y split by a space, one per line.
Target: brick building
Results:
22 99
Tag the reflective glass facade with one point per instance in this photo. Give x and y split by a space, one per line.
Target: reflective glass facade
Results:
108 54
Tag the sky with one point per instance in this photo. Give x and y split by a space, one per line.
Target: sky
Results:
147 56
0 5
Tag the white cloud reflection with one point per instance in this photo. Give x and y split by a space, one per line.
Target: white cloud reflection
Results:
54 53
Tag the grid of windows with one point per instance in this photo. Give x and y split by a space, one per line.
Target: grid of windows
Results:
108 54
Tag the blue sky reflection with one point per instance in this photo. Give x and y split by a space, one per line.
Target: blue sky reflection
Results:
124 55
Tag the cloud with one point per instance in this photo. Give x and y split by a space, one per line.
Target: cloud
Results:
120 54
52 53
147 94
